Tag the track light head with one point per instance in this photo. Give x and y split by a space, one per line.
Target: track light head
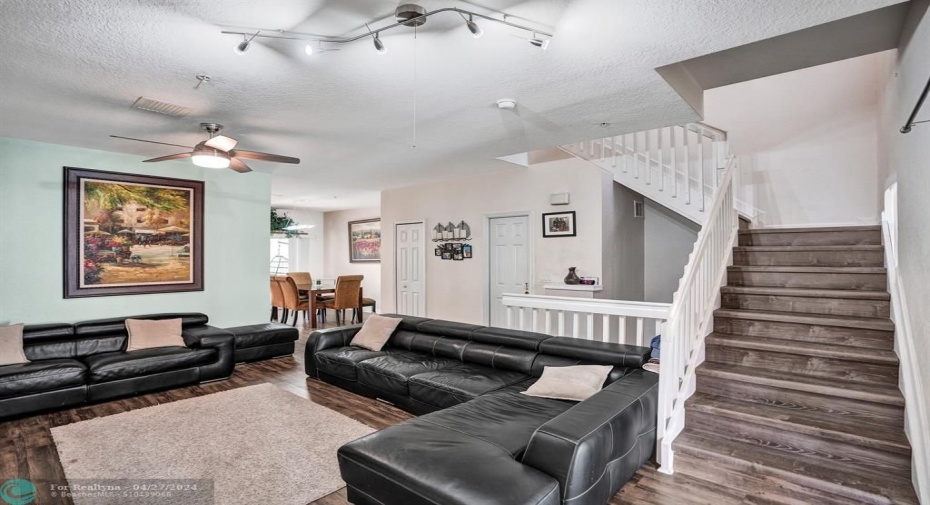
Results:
542 44
474 28
243 47
379 46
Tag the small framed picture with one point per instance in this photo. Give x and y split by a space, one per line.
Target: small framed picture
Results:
559 224
447 255
466 251
457 256
456 248
438 251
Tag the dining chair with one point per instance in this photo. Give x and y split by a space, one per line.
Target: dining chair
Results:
301 278
277 300
348 291
293 301
305 279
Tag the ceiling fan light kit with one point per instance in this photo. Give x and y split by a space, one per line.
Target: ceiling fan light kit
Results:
410 15
210 158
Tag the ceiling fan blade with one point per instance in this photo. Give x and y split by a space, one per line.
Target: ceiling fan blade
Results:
222 142
238 166
150 141
169 157
254 155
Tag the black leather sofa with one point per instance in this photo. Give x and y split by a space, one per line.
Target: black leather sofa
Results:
71 364
479 440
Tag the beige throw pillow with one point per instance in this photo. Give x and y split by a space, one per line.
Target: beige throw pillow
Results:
576 383
11 345
150 333
375 332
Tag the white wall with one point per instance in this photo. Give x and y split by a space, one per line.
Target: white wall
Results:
907 161
455 289
336 251
669 239
807 142
236 230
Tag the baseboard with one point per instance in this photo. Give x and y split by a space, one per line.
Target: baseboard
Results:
863 222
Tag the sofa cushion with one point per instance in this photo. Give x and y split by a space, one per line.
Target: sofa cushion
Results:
576 383
454 385
149 334
342 361
375 332
11 345
124 365
390 372
40 376
506 419
257 335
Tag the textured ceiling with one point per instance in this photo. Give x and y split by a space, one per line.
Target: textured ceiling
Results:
70 69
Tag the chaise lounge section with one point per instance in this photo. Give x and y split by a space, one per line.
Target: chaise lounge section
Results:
479 439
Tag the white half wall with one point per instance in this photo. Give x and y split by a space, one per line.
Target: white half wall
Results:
907 161
807 142
336 256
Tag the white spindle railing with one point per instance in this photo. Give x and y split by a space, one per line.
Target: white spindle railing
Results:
616 321
691 315
677 166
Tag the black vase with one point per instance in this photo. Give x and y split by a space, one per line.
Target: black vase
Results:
572 277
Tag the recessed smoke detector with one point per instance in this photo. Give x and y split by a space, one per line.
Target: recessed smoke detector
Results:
410 15
168 109
506 104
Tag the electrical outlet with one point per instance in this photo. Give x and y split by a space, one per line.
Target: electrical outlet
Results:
545 278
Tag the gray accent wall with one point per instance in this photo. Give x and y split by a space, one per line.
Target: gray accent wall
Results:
668 240
623 252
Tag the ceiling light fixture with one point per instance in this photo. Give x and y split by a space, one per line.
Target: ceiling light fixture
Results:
210 158
308 50
410 15
246 42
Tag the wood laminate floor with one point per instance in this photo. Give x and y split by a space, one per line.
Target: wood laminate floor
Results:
28 451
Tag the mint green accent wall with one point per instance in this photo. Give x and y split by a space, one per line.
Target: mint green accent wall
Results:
236 231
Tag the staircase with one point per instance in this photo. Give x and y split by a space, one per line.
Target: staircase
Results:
797 400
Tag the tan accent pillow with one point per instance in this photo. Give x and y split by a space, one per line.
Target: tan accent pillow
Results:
150 333
11 345
576 383
375 332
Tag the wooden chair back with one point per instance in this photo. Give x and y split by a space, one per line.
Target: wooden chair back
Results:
301 278
277 295
291 294
348 291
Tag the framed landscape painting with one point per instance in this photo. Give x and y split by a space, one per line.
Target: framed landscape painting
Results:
131 234
365 240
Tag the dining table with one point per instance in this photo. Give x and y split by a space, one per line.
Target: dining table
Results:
314 289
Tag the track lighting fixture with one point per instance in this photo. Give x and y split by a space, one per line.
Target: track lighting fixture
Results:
246 42
407 15
472 26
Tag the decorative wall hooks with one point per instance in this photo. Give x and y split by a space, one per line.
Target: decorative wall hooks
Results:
451 231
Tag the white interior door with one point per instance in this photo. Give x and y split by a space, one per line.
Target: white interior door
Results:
410 269
509 262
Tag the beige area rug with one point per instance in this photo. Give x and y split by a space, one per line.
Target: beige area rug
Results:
258 444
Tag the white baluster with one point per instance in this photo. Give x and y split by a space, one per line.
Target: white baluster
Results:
613 150
687 160
576 324
535 320
648 157
636 155
510 317
561 323
548 316
639 331
622 330
589 331
520 319
605 330
661 160
674 163
701 165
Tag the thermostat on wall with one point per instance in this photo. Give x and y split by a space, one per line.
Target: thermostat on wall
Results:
560 199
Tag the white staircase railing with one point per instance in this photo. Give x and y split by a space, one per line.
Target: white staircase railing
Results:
677 166
691 315
617 321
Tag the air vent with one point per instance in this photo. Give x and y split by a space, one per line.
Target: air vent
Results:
638 210
168 109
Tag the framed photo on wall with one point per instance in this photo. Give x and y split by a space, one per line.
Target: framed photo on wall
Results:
559 224
129 234
365 240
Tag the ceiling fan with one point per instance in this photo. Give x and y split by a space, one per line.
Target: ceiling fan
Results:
217 152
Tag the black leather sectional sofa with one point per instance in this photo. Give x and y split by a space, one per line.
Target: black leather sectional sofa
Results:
479 440
71 364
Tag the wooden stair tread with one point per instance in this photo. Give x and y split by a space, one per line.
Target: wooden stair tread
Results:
807 248
870 323
808 270
878 393
782 417
833 351
838 477
825 229
851 294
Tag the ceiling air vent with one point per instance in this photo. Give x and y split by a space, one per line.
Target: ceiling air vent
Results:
169 109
